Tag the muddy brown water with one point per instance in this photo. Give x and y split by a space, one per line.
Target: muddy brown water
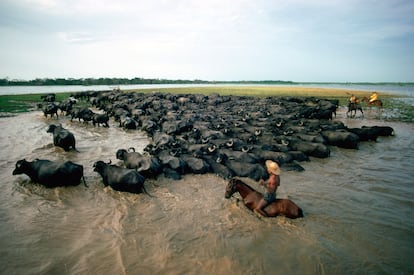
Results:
358 207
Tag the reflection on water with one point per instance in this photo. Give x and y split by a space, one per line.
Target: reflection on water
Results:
357 204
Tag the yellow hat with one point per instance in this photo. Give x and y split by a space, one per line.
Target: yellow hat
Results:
273 167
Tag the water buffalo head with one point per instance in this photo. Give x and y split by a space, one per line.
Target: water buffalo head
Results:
121 154
99 166
21 167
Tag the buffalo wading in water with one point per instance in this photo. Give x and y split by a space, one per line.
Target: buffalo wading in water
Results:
62 137
131 158
146 165
98 119
51 173
185 138
81 113
49 109
120 179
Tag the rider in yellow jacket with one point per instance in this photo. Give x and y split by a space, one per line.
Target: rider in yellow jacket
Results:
353 99
373 97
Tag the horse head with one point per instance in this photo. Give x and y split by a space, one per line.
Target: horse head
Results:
231 187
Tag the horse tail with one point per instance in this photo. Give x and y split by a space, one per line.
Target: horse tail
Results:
300 213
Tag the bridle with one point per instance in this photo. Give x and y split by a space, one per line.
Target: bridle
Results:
230 190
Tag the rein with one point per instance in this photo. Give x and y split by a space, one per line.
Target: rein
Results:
234 182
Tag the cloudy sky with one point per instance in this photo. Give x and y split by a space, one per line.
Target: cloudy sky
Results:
296 40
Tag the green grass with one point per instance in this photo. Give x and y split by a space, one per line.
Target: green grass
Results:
24 103
266 91
259 91
399 110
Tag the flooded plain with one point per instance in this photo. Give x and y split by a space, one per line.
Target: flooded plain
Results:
358 207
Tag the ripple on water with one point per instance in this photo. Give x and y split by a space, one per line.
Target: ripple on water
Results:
357 206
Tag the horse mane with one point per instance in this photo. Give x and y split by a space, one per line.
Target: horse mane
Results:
239 181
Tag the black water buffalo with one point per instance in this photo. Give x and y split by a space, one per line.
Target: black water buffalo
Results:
131 158
218 167
62 137
190 133
372 132
67 105
146 165
313 149
120 179
48 97
254 171
173 167
384 131
128 122
341 138
49 109
51 173
365 134
100 119
196 165
81 113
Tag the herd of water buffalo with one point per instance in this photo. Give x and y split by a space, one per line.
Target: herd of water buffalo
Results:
230 136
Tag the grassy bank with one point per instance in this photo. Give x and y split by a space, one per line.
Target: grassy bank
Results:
24 103
265 91
262 91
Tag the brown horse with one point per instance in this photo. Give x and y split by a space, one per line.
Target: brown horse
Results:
251 197
354 107
377 103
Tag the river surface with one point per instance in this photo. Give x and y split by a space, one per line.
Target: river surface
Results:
358 207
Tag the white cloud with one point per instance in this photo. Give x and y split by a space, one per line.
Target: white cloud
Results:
42 4
216 39
76 37
79 7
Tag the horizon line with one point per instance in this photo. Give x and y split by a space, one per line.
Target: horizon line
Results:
5 80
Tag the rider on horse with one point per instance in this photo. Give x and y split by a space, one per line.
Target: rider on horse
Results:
353 99
373 97
271 187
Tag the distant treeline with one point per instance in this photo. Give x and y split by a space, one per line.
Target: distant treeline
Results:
138 80
122 81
